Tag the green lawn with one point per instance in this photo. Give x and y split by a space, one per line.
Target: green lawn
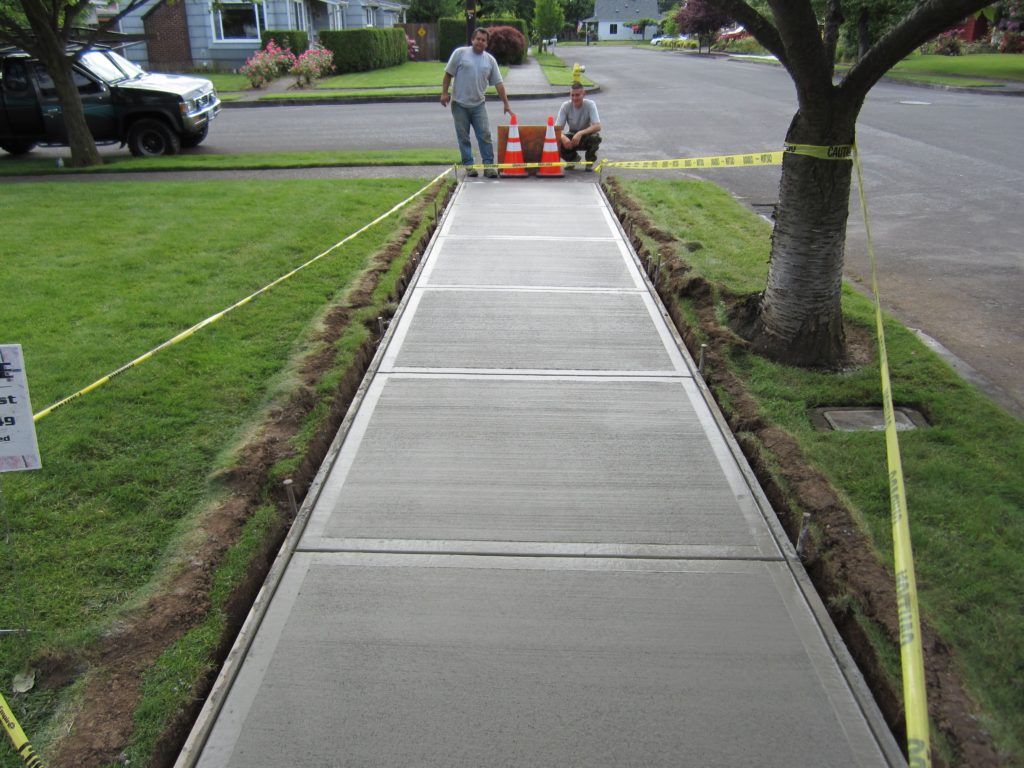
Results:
129 467
407 75
558 71
992 66
964 483
27 165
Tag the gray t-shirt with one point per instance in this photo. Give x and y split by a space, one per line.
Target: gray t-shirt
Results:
577 119
472 74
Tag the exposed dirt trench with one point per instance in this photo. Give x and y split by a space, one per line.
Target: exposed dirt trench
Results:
841 562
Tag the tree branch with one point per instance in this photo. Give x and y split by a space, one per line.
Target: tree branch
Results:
833 21
925 22
756 24
809 68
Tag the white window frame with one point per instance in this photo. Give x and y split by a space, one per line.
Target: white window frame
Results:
259 14
369 16
336 14
298 16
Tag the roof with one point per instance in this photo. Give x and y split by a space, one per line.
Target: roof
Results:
626 10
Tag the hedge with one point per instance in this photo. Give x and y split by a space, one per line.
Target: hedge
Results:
358 50
294 39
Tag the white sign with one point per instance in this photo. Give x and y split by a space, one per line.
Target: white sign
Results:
18 447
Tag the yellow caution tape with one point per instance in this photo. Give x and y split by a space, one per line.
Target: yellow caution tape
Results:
18 738
915 700
746 160
214 318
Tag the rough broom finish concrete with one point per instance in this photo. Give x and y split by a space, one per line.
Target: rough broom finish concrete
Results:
537 545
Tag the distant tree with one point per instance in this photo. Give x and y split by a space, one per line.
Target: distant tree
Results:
47 29
866 21
703 19
429 11
548 18
578 10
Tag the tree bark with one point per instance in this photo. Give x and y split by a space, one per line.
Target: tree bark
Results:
799 318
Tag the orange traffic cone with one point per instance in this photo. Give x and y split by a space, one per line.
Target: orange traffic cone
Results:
513 151
550 153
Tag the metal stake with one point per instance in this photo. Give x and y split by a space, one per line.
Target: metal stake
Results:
380 326
805 531
700 360
15 579
289 489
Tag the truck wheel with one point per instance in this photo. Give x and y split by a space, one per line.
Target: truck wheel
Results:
15 147
190 140
152 138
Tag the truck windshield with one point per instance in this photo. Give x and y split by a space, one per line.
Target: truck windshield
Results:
109 66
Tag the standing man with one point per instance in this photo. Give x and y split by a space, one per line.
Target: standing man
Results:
581 127
473 69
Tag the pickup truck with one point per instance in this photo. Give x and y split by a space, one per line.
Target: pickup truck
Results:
153 114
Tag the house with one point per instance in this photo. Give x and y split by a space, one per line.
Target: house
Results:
206 34
613 19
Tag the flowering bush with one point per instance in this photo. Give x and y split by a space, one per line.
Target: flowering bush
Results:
314 63
414 49
946 44
267 64
1012 42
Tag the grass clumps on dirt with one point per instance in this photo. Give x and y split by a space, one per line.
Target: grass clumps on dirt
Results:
964 486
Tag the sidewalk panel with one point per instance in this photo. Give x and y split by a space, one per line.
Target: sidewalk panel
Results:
543 459
534 262
368 660
533 330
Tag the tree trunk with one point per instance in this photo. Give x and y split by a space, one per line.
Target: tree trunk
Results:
83 147
49 47
799 318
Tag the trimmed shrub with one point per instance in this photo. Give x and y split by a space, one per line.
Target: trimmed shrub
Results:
294 40
359 50
507 45
313 64
451 34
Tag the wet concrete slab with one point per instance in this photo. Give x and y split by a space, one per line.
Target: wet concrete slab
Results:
536 542
394 660
486 463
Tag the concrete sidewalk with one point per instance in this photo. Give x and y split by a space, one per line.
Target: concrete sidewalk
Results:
534 542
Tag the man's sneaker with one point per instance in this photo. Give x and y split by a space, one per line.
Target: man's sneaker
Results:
490 173
472 173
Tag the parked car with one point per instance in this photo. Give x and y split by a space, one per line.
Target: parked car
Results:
153 114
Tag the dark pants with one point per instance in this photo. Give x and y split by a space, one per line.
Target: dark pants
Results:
588 144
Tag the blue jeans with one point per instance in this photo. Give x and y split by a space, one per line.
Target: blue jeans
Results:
477 117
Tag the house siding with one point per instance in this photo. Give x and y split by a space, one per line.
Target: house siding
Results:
618 14
209 53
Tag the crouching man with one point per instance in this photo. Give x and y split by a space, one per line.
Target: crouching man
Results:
581 128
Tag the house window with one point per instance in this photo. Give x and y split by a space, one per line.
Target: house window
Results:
337 16
370 16
613 29
298 12
239 21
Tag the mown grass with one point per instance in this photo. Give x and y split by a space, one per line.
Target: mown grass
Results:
557 71
128 468
964 485
226 81
997 66
27 165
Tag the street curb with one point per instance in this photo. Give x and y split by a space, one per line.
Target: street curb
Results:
407 99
